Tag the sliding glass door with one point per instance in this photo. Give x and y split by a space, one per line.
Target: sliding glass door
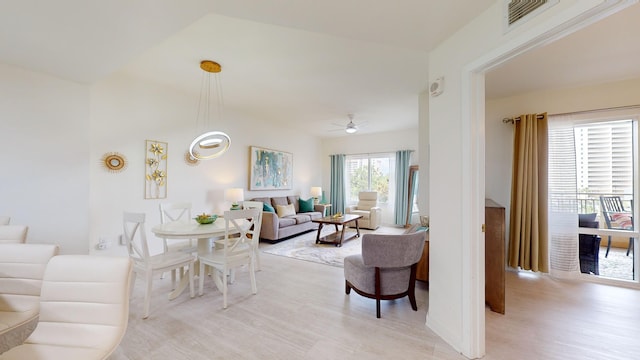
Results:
593 183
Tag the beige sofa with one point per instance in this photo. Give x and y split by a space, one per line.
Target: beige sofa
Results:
275 228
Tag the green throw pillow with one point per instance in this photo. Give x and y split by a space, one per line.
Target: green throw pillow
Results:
268 208
306 205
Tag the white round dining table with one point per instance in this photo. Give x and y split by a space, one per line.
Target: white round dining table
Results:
183 230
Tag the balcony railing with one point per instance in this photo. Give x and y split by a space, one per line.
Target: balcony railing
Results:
590 202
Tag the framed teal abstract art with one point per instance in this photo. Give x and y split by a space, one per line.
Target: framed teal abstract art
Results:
270 169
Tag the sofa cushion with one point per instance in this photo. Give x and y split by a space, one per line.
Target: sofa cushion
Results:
293 199
365 214
306 205
285 222
279 200
285 210
621 221
302 218
268 208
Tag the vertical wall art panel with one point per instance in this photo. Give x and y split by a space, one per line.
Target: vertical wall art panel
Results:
155 170
270 169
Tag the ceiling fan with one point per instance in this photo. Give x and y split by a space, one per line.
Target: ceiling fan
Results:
351 127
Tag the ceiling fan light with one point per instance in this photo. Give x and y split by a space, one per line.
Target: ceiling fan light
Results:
351 127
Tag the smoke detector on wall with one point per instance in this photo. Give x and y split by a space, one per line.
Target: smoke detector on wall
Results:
437 86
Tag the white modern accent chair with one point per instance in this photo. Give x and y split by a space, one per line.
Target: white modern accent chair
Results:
367 206
4 220
256 228
84 309
237 250
22 267
148 265
177 212
12 234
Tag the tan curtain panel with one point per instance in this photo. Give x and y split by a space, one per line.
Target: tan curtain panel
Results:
528 242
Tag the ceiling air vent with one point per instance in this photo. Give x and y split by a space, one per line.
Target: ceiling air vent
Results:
517 10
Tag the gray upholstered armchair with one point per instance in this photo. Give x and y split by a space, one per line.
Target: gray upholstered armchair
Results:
386 269
367 206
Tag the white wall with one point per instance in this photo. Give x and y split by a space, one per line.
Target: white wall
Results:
388 142
499 136
125 112
456 162
45 157
55 133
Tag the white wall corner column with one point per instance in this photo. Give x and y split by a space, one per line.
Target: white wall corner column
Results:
423 153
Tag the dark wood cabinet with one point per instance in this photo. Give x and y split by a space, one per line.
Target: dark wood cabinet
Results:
494 256
422 272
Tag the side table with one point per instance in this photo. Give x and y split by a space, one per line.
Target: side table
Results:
422 273
325 208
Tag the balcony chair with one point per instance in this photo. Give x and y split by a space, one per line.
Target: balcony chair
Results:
616 217
386 269
84 309
367 206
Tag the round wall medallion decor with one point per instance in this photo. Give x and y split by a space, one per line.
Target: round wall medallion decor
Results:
114 162
190 160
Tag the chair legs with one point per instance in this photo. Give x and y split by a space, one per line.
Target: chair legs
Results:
147 295
629 248
222 281
377 295
149 286
256 258
378 292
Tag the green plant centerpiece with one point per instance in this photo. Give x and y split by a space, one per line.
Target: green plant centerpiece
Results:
205 218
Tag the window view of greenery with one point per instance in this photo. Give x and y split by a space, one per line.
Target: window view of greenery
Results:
368 174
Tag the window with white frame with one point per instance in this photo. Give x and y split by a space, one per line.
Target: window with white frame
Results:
371 172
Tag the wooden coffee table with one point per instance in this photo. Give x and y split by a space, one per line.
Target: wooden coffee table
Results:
339 236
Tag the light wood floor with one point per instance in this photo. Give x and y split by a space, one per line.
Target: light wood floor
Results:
302 312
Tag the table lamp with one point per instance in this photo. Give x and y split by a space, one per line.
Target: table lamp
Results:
316 192
234 195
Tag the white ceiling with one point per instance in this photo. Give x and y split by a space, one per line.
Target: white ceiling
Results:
300 62
303 62
606 51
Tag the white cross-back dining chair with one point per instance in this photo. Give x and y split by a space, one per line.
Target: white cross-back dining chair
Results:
148 265
237 250
177 212
256 228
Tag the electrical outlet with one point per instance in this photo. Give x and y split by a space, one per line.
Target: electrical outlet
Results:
103 243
